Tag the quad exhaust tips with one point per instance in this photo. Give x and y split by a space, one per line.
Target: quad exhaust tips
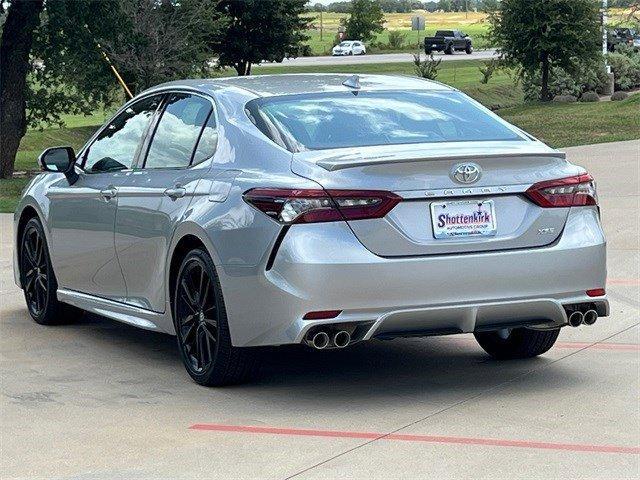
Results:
321 339
577 318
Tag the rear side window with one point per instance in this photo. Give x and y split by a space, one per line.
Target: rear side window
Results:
342 119
117 145
178 131
208 141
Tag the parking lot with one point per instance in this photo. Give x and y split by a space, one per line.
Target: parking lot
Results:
102 400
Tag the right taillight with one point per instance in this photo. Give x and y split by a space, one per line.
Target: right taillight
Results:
575 191
312 206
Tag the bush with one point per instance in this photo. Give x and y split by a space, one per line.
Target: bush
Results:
590 97
587 77
396 39
625 66
565 99
427 68
619 96
487 69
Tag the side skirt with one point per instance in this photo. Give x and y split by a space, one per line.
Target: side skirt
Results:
136 316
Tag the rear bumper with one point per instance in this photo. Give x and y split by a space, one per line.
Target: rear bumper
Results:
324 267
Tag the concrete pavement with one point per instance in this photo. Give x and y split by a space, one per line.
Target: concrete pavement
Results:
101 400
377 58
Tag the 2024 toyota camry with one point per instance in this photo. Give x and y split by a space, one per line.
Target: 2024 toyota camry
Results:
317 209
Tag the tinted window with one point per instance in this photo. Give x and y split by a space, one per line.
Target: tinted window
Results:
117 145
178 131
334 120
208 141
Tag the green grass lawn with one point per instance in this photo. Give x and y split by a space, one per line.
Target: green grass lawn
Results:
559 125
323 46
565 125
472 23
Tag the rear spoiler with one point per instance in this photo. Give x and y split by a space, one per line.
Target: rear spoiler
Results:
340 162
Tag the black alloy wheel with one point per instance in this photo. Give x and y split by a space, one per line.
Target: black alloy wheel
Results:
38 279
202 328
197 315
35 270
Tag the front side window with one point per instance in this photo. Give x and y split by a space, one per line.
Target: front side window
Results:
116 146
178 131
342 119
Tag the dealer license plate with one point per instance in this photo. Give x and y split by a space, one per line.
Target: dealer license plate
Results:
466 218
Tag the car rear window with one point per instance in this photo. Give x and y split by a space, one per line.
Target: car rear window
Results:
358 119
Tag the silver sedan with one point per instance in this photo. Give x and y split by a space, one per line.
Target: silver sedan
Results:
312 209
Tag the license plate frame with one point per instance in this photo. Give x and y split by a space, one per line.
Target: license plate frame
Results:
466 219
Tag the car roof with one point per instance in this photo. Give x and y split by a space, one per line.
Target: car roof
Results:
295 84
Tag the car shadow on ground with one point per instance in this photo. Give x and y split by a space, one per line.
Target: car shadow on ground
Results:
373 373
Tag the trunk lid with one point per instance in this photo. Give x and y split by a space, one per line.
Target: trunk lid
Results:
423 175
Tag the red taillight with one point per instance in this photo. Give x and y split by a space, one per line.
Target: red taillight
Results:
565 192
596 292
312 206
322 315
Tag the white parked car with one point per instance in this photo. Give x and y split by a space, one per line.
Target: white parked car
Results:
349 47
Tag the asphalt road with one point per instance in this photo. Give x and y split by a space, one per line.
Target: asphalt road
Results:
377 58
100 400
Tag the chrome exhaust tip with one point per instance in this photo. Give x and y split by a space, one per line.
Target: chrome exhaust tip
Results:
320 341
341 339
590 317
576 318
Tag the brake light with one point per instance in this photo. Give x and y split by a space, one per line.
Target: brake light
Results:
322 315
596 292
565 192
312 206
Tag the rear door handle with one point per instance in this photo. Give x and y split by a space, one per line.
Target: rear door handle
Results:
176 192
109 193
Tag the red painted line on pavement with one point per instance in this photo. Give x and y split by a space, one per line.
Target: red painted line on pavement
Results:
492 442
623 281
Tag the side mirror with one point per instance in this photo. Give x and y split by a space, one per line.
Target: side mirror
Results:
61 160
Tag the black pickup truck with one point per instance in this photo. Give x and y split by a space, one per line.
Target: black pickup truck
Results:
448 41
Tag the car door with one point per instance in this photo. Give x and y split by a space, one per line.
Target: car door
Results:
156 194
458 41
82 215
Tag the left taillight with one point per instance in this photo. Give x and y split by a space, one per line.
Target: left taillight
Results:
312 206
564 192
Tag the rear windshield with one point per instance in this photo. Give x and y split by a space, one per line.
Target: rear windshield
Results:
359 119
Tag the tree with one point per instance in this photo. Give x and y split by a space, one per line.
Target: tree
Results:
165 41
364 21
534 36
51 56
488 6
22 18
260 30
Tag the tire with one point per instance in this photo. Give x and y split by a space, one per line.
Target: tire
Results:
428 51
448 50
38 280
521 343
202 328
468 49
